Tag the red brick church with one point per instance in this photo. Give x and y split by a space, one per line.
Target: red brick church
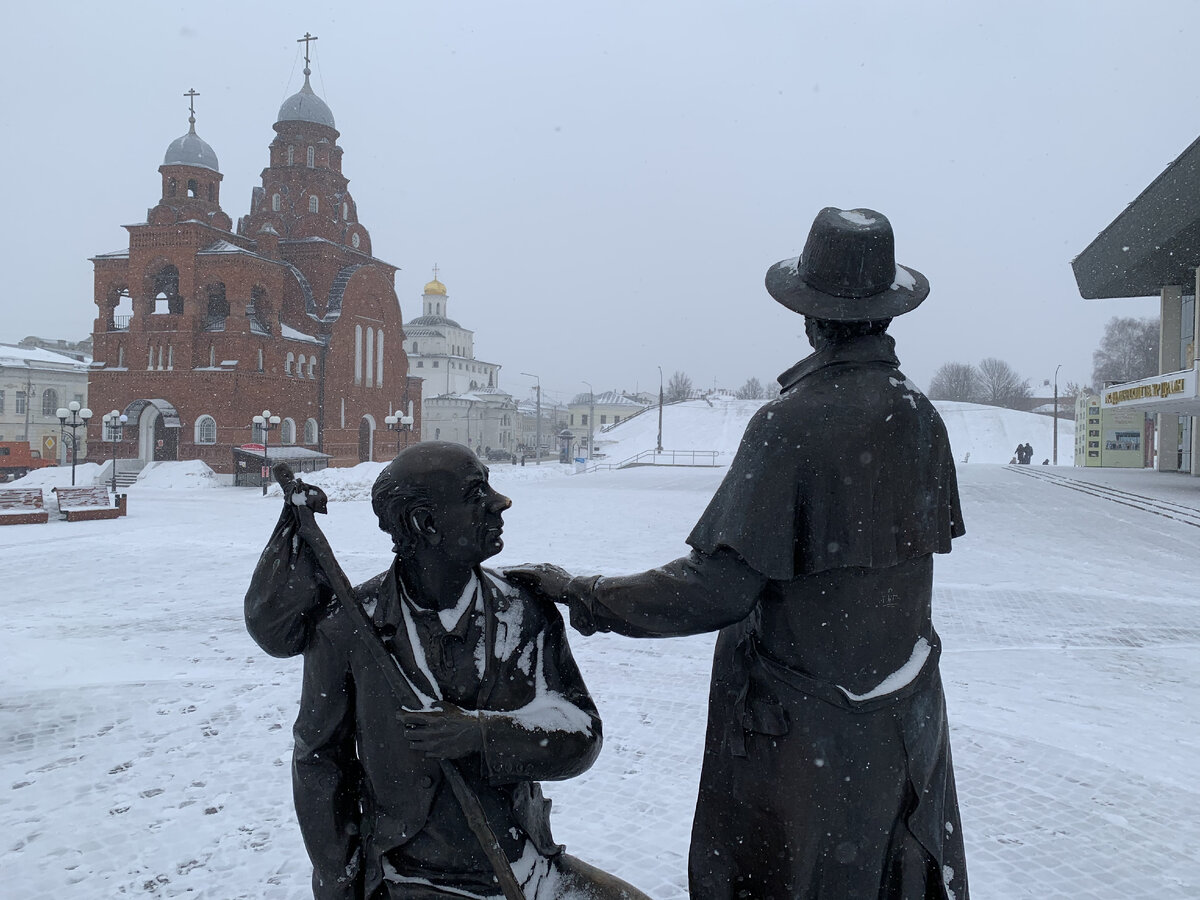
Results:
201 327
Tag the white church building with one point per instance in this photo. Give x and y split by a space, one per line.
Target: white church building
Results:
443 352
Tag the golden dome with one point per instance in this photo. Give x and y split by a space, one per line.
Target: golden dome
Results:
435 287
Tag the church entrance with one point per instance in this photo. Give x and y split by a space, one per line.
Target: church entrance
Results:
166 441
158 426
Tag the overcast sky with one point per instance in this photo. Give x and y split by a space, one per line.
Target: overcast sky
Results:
604 185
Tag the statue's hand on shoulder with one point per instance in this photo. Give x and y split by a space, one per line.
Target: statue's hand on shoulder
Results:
546 579
448 733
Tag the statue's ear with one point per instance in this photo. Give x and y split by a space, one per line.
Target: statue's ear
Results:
423 525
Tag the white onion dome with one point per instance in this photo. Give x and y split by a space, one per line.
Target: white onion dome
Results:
191 150
306 106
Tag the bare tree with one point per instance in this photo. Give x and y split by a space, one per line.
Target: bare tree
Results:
751 390
771 389
679 387
1000 385
955 381
1128 351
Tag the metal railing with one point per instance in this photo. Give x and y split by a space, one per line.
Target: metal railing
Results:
119 323
694 458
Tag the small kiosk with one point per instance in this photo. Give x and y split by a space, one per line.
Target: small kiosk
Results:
252 462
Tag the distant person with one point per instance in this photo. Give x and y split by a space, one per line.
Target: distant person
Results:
827 769
1028 453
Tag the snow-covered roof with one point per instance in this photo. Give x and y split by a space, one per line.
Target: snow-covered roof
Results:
435 320
223 246
607 398
36 357
123 253
291 334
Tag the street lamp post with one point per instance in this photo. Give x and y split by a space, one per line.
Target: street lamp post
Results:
114 422
591 417
265 423
537 441
1056 414
401 424
78 418
660 406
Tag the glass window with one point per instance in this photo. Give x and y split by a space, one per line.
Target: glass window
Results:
310 431
603 419
287 431
20 403
49 402
291 156
206 430
314 204
312 157
288 363
275 203
1 401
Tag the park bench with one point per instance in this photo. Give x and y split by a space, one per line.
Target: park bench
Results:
80 503
22 506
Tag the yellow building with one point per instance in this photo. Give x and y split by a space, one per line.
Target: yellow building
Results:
1153 249
1110 436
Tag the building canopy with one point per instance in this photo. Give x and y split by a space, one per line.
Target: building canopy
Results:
1154 242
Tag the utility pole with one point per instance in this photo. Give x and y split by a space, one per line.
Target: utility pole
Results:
659 449
537 446
591 417
1055 458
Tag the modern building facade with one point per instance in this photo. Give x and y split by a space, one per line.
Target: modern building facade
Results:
34 383
442 352
1111 437
1153 249
200 327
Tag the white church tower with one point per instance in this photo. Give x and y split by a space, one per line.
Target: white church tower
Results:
443 352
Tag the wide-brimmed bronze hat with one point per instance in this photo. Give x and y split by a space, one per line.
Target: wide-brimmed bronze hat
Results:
848 271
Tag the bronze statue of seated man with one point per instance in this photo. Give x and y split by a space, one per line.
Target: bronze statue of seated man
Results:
490 697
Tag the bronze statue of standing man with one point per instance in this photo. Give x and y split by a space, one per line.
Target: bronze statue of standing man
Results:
827 770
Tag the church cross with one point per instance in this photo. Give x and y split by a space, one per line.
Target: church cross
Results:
191 95
306 40
435 271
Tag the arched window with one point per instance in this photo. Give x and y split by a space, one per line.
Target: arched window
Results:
312 367
287 431
314 203
379 358
310 431
275 203
170 356
414 349
358 354
291 155
120 356
212 356
49 402
370 367
193 188
206 430
172 187
300 366
287 366
312 157
260 360
150 360
212 193
345 210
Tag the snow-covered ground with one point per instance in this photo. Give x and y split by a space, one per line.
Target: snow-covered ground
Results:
978 433
146 740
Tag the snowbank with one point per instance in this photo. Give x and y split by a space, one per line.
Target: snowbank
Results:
355 482
57 476
185 475
988 434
